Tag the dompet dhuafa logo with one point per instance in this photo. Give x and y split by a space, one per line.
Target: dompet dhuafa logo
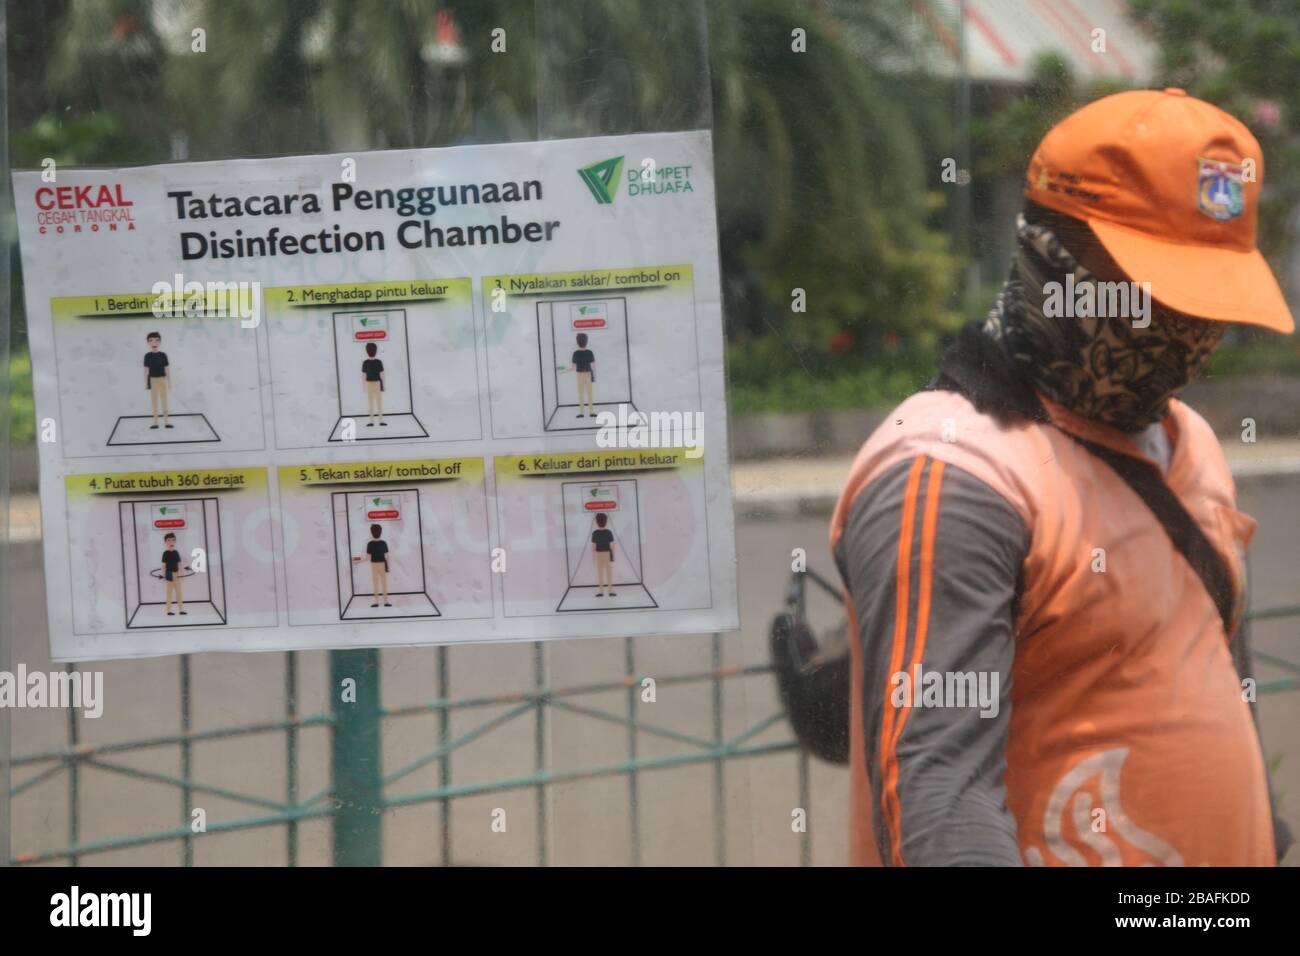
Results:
602 178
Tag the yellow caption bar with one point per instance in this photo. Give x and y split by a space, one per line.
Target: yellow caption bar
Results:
162 305
572 463
592 280
426 469
369 293
209 479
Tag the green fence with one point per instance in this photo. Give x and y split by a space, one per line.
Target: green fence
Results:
361 788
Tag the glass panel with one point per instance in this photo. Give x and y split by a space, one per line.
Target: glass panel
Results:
870 162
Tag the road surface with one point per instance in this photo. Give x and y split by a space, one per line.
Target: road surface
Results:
587 821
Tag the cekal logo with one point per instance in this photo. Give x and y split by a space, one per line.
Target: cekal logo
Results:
95 207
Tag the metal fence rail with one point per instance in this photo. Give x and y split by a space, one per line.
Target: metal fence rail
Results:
360 791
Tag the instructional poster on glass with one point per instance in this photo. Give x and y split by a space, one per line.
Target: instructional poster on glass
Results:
403 397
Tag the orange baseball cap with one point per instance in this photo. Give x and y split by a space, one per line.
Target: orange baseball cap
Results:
1170 184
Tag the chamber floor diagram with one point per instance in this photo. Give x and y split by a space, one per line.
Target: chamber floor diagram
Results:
584 359
602 547
161 585
379 555
161 426
372 359
146 430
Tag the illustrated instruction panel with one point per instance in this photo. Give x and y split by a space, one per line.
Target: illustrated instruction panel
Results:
154 553
405 397
376 362
610 531
386 541
573 345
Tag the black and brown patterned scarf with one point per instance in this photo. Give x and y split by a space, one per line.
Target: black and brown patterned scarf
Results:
1100 366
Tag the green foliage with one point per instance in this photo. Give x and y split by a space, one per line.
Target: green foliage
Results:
74 141
765 376
821 157
1278 355
822 175
22 410
826 161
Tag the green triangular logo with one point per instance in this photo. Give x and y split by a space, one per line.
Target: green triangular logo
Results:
602 178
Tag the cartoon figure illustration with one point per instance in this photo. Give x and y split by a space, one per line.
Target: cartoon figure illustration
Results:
602 541
372 372
377 548
171 572
582 364
157 377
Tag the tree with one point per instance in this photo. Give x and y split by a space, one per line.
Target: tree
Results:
820 155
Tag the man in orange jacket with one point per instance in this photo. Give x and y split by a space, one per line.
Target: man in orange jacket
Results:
1041 551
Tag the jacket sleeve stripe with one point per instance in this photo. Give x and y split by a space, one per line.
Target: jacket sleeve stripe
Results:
902 603
928 526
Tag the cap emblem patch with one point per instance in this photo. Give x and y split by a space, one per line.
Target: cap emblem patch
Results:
1220 194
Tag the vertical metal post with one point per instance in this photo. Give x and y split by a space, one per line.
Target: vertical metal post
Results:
187 764
356 761
74 778
805 799
6 850
963 245
633 788
719 762
539 741
291 752
444 763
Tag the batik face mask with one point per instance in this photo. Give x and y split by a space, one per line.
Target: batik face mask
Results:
1117 369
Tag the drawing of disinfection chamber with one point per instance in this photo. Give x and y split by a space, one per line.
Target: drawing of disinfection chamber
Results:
602 547
584 360
184 574
372 359
379 545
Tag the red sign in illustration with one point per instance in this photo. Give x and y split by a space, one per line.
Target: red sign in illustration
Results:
168 517
590 316
384 508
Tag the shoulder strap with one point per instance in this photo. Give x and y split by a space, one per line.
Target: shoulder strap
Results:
1186 535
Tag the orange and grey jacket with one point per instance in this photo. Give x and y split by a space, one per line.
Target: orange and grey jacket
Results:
981 554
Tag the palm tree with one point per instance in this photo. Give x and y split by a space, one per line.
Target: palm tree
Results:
821 156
